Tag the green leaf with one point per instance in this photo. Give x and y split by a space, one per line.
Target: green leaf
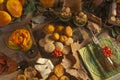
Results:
30 7
114 34
18 19
14 47
117 30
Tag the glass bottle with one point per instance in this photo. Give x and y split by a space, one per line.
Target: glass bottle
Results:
104 59
103 54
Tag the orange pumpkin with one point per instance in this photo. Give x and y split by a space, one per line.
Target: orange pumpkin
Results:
5 18
47 3
15 8
20 38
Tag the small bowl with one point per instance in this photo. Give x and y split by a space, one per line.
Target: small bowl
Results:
65 19
79 25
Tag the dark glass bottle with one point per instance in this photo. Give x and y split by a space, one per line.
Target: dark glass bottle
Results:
105 61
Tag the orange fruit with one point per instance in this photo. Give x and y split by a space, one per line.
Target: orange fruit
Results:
5 18
63 38
59 29
49 28
56 36
15 8
68 31
47 3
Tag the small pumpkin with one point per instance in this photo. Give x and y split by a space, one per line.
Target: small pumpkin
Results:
48 29
68 31
15 8
63 38
20 39
59 29
5 18
56 36
47 3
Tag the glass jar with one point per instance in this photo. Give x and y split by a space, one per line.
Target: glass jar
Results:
107 55
103 56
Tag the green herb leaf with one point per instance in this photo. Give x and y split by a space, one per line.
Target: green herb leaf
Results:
114 34
117 30
30 7
14 47
18 19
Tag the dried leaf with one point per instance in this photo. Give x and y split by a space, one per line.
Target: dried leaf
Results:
118 38
95 28
75 47
80 75
85 35
94 19
68 61
79 72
